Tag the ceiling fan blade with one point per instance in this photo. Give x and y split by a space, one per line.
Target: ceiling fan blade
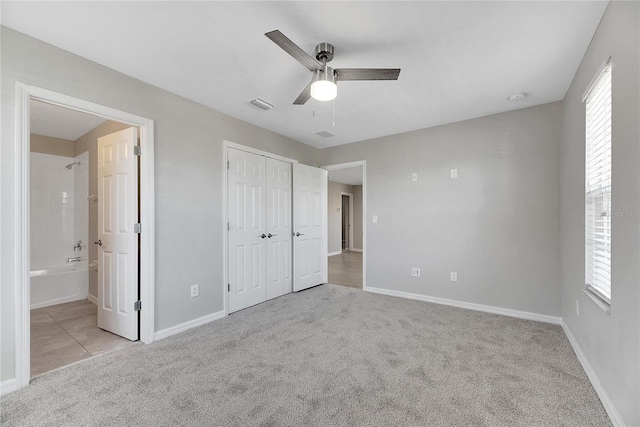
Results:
344 74
304 95
294 50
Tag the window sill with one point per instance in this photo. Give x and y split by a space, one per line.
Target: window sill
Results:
604 305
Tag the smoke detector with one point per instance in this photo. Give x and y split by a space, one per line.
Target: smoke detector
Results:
517 97
261 104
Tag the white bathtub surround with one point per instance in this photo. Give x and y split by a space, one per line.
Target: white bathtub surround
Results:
59 220
52 226
55 285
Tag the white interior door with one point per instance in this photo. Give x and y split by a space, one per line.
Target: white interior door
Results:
279 248
309 227
118 241
247 229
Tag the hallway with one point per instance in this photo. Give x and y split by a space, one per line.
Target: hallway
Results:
345 269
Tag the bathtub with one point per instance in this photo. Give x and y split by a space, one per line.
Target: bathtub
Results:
63 283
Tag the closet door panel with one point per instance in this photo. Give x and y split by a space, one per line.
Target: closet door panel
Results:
279 217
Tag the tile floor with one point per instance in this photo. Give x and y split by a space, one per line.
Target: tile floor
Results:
346 269
66 333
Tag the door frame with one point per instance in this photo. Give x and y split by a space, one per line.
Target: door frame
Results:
225 206
348 165
350 196
22 243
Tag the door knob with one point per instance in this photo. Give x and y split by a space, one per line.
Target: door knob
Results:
299 234
263 235
271 235
99 242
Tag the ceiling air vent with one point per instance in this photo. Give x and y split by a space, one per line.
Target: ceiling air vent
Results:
324 134
261 104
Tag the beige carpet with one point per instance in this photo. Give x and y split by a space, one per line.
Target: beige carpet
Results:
332 356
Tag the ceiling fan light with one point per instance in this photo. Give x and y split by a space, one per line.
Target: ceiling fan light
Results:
324 90
324 86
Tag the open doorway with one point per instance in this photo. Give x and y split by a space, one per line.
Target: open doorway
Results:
54 216
346 224
66 272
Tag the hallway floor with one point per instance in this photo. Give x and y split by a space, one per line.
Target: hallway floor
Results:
66 333
345 269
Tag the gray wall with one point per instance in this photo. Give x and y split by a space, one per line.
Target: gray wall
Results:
334 200
609 342
497 225
188 175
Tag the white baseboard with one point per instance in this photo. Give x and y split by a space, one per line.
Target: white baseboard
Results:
613 413
75 297
92 299
469 305
187 325
356 250
334 253
7 386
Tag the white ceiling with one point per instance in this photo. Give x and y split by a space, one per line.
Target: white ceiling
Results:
349 176
59 122
459 60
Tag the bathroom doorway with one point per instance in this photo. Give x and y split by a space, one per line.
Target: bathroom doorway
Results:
65 206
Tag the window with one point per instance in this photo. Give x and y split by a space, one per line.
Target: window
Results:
598 185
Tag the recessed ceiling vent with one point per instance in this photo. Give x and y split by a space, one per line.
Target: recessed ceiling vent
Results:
261 104
324 134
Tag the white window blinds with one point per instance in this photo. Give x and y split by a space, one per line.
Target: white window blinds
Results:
598 185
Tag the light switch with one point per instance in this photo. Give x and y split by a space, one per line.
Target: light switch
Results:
374 219
454 173
414 177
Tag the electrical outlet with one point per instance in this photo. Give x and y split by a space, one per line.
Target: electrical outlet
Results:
454 173
415 272
454 276
577 308
414 177
374 219
195 291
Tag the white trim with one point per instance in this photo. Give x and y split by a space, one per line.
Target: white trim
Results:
24 94
8 386
165 333
362 163
470 306
334 253
356 250
76 297
92 299
350 196
613 413
229 144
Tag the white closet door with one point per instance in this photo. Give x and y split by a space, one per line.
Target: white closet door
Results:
309 226
279 251
118 242
247 230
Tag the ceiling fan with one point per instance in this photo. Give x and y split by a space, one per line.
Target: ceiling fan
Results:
323 83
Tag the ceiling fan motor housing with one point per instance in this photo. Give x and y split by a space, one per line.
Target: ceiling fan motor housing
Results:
324 52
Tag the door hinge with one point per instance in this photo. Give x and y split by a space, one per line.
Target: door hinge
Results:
136 150
228 164
137 306
137 228
228 287
228 226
